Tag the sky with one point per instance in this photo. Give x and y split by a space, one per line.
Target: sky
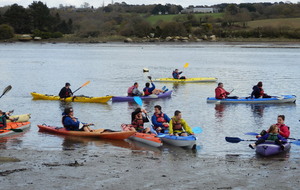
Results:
99 3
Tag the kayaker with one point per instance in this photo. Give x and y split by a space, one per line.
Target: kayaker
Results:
66 92
272 135
148 91
72 123
258 91
138 118
179 126
221 93
176 74
160 120
134 91
284 130
3 117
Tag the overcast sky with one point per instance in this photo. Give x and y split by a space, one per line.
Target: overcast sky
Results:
98 3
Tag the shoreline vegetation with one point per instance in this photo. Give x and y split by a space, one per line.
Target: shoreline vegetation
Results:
121 22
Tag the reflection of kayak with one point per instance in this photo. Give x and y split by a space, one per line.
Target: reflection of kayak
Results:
273 99
21 118
180 141
104 99
149 139
204 79
98 133
13 125
270 148
152 96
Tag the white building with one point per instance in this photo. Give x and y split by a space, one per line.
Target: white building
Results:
192 9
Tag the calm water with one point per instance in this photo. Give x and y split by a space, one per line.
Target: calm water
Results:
112 68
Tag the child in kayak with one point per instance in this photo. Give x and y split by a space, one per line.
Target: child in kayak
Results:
179 126
272 135
72 123
284 130
160 120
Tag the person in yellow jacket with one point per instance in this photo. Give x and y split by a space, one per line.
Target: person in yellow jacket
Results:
179 126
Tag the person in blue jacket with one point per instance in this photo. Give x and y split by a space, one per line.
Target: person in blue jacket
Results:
272 135
148 91
176 74
72 123
160 120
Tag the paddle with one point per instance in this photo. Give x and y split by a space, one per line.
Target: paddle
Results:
88 82
186 65
8 88
235 139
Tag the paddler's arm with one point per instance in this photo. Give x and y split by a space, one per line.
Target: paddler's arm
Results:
186 127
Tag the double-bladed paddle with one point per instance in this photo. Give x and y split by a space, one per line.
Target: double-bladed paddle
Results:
235 139
8 88
88 82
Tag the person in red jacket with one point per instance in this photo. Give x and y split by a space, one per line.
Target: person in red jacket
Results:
221 93
283 129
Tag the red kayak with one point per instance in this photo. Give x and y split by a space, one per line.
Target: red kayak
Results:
14 128
98 133
149 139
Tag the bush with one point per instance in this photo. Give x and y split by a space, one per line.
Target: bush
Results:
6 32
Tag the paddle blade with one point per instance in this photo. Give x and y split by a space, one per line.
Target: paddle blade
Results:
197 130
8 88
138 100
251 133
296 142
186 65
233 139
88 82
149 77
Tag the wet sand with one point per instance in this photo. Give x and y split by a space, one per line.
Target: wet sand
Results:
141 169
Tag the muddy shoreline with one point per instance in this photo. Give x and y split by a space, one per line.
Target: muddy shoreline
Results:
134 169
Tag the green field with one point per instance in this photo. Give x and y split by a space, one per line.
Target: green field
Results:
155 18
289 22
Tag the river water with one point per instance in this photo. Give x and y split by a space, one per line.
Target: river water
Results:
113 67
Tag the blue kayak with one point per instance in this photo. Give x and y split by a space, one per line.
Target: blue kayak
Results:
181 141
272 100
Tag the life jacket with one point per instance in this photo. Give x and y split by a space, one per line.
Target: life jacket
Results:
176 124
261 93
130 90
3 121
175 75
68 127
160 118
138 124
272 137
222 93
146 91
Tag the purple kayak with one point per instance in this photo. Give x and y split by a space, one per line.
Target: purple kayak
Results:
270 148
150 97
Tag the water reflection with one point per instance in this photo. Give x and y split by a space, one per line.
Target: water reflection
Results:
258 110
220 108
63 105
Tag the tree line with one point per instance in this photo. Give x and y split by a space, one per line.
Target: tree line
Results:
121 19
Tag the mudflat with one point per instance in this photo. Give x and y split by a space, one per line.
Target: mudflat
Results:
142 169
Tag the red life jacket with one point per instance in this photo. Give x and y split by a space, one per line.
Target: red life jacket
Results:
146 92
160 118
176 125
130 90
138 124
261 93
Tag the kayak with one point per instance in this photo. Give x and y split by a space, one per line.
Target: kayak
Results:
104 99
17 126
188 80
150 97
270 148
98 133
181 141
21 118
149 139
272 100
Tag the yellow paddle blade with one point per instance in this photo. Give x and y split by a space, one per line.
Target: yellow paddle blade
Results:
88 82
186 65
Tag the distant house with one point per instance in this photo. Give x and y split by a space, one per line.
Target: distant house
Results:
192 9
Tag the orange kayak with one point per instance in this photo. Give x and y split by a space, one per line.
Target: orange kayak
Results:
98 133
14 128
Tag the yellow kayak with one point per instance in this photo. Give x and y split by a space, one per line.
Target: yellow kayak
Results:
21 118
189 80
104 99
